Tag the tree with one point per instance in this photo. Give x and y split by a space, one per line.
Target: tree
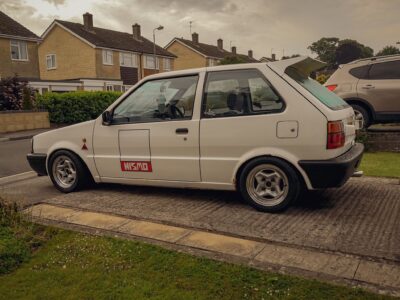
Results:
334 51
325 48
349 50
230 60
292 56
388 50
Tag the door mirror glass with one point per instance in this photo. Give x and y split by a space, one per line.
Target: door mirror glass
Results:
107 118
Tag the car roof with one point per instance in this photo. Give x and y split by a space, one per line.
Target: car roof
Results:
365 61
306 63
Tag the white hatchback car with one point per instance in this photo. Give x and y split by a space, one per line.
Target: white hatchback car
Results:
266 130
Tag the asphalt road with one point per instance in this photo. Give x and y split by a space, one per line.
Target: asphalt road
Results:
361 218
13 157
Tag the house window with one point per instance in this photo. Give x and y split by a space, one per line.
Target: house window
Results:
51 61
109 87
107 57
19 50
127 59
167 64
149 62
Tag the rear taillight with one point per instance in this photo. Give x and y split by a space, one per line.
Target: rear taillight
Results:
331 87
336 136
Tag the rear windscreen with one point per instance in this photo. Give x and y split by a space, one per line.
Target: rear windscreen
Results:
320 92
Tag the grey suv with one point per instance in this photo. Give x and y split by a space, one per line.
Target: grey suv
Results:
371 86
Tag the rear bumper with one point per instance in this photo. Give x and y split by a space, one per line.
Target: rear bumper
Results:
333 172
37 161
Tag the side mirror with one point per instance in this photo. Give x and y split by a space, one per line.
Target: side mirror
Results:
107 118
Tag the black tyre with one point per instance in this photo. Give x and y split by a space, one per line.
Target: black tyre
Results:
67 172
362 116
269 184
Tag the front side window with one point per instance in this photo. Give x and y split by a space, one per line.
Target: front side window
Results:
127 59
239 92
150 63
107 57
51 61
158 100
19 50
320 92
386 70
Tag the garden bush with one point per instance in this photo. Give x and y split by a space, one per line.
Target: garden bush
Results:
75 107
15 94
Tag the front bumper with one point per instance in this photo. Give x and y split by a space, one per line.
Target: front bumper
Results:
333 172
37 161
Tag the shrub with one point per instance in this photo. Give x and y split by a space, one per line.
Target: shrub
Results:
15 94
322 78
75 107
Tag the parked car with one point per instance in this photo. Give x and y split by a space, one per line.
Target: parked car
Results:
266 130
371 86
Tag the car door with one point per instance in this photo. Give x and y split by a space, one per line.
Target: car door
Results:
240 113
382 87
153 134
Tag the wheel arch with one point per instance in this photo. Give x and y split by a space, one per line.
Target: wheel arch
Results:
364 104
55 150
304 179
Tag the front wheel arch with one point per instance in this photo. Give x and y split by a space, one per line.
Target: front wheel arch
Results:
70 151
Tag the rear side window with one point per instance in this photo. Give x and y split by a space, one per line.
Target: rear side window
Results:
360 72
320 92
387 70
239 92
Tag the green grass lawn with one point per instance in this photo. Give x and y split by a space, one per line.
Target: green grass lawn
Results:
382 164
79 266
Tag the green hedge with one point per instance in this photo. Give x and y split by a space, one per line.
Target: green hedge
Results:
75 107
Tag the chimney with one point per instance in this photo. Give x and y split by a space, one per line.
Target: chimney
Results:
136 31
220 44
250 53
233 50
273 56
195 37
88 21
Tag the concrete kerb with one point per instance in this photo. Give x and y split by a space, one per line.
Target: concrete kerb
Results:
348 269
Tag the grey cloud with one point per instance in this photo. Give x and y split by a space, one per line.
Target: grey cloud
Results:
56 2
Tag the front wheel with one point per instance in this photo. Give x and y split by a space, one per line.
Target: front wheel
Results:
269 184
67 172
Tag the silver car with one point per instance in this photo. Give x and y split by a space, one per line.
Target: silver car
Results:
372 87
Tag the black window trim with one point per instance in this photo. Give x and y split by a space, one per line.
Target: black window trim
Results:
149 80
381 62
203 98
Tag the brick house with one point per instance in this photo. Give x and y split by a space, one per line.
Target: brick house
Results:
18 50
193 54
93 58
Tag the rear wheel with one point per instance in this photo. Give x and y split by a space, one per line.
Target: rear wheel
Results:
67 172
361 116
269 184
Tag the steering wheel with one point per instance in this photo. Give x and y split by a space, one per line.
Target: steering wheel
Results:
177 111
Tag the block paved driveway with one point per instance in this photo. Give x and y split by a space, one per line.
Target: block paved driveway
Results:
361 218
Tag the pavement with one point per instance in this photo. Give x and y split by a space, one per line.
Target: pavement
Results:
21 135
349 235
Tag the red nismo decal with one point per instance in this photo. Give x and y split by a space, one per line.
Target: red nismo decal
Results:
136 166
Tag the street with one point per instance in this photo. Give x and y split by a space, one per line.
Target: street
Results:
13 157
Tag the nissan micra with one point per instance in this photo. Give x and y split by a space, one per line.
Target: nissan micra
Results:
264 129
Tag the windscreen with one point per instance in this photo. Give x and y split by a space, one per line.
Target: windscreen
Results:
320 92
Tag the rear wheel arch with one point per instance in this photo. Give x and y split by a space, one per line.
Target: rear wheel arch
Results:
242 166
364 104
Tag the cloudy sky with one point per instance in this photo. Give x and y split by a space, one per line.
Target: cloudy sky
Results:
279 26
